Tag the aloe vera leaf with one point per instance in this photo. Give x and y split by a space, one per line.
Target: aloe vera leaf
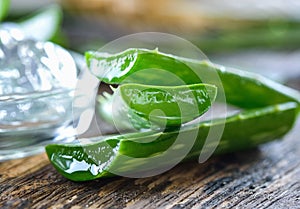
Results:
277 34
242 89
164 105
137 106
128 153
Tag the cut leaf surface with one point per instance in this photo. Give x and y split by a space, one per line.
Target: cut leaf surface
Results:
165 105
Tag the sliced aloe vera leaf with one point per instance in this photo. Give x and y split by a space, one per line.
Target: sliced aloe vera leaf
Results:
165 105
243 89
4 5
81 162
42 25
153 67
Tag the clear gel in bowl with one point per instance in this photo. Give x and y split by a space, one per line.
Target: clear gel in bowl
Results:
37 81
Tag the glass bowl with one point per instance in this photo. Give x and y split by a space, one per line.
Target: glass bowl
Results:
37 82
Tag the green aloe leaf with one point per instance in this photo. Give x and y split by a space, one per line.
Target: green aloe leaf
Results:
168 106
242 89
108 156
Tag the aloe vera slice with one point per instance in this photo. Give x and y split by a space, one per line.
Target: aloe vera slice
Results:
110 155
242 89
164 105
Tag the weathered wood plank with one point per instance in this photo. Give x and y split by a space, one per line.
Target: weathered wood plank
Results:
268 176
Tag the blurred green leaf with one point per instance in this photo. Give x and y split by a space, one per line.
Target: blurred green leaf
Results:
44 24
4 5
275 34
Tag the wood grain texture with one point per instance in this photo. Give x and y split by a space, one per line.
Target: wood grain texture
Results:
268 176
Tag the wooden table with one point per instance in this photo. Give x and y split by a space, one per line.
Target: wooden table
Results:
265 177
268 176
